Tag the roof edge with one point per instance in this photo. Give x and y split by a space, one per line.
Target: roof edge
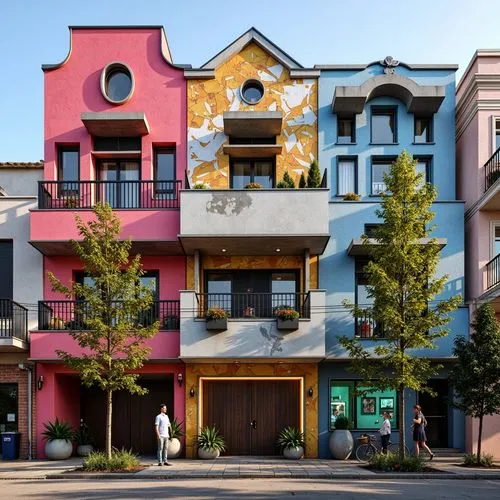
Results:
477 53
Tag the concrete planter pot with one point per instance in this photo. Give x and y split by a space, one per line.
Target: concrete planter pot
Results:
173 448
217 324
83 450
341 444
287 324
294 453
58 449
207 454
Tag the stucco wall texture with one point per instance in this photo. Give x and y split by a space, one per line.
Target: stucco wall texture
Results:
207 100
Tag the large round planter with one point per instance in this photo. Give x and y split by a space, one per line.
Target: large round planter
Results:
341 444
58 449
207 454
293 453
173 448
84 450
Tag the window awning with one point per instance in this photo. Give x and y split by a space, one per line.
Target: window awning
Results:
361 248
252 123
111 124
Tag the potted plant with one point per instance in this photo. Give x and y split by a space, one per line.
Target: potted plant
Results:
200 185
216 318
351 197
174 444
341 442
171 322
365 329
210 443
249 312
287 318
253 185
58 435
57 324
291 441
84 440
71 202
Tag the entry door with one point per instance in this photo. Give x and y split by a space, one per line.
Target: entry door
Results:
435 410
122 188
8 409
250 414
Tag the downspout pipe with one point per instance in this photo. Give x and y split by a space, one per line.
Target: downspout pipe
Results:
29 369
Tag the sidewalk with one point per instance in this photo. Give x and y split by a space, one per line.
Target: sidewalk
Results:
239 467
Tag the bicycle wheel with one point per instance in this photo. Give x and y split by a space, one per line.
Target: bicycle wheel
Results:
394 448
365 452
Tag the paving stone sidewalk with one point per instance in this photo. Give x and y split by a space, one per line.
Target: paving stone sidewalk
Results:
237 467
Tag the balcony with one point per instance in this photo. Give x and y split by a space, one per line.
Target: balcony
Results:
255 222
252 331
366 328
490 200
13 326
56 318
148 211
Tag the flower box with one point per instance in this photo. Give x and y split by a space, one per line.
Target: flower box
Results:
288 324
217 324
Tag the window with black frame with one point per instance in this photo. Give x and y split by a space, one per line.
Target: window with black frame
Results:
164 174
68 171
346 130
383 125
365 327
244 172
423 130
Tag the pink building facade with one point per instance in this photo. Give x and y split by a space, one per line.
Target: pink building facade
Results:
115 122
478 169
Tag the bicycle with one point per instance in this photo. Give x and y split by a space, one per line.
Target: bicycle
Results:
369 447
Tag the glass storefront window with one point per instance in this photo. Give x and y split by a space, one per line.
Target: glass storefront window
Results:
363 408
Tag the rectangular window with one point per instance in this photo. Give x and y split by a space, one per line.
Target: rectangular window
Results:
423 130
346 176
117 144
346 130
380 166
383 125
6 269
244 172
424 167
68 169
362 406
496 247
164 164
370 229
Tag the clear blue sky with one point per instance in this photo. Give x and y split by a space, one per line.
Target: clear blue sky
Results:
33 32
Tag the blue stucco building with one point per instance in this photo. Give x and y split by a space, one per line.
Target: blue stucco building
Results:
367 116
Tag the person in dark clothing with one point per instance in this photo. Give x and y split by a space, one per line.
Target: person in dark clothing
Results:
419 438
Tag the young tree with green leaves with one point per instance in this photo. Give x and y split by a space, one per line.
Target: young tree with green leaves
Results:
476 376
114 312
402 283
314 176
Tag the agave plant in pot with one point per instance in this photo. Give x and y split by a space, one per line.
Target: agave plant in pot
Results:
59 435
210 443
174 444
291 441
216 318
341 442
83 440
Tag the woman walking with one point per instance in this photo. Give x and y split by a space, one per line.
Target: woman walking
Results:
419 438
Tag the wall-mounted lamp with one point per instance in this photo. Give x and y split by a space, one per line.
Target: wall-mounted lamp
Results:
191 392
180 378
310 392
39 382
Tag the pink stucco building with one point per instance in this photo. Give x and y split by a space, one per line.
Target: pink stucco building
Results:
115 121
478 164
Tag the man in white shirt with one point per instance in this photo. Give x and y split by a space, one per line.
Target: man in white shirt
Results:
162 427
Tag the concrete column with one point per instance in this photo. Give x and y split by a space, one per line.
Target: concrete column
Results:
197 270
307 270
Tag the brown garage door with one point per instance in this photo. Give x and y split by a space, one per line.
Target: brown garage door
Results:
251 413
133 415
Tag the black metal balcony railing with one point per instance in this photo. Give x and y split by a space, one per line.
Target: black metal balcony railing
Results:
118 194
492 170
367 328
13 320
74 314
254 305
493 272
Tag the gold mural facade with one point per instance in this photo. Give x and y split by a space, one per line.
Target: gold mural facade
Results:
297 99
308 372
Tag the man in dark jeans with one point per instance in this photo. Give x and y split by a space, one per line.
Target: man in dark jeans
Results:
385 431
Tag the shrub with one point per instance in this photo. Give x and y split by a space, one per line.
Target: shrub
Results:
121 460
291 437
470 460
392 463
176 429
286 313
302 181
253 185
82 435
313 176
210 439
342 423
287 182
216 313
57 430
351 197
200 185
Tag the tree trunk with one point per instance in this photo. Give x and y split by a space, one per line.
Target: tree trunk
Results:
109 418
402 427
479 438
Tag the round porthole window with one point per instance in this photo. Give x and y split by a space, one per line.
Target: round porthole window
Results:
117 83
252 91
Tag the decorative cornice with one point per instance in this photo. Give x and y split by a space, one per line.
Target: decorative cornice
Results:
477 54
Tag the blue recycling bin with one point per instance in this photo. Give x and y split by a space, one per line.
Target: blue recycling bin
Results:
10 445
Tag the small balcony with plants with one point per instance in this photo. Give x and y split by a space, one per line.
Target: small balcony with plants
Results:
13 326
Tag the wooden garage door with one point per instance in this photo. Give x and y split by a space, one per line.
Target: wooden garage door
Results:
251 413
